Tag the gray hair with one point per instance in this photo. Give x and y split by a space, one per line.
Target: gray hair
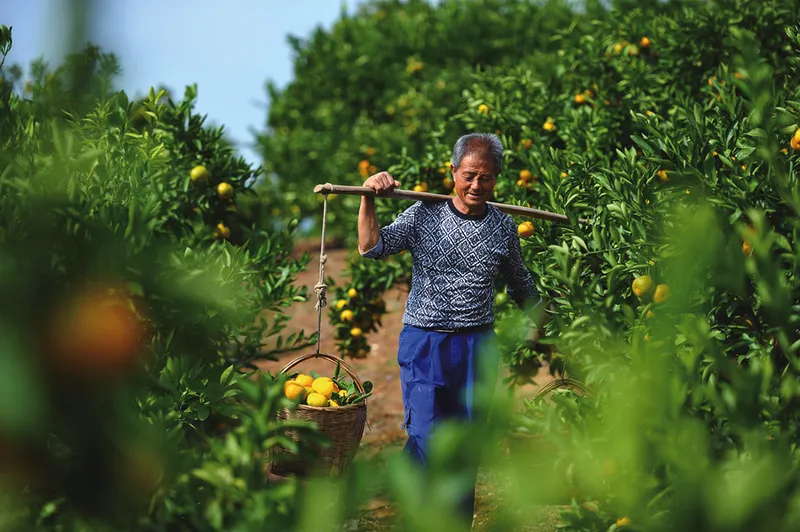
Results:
479 144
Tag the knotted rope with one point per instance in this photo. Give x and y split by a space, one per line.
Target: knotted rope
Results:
321 288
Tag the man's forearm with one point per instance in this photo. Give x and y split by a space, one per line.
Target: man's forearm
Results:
368 229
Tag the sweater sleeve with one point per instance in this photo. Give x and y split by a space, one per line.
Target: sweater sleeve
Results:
395 237
519 280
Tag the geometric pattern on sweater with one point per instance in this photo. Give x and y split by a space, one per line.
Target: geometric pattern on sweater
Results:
456 259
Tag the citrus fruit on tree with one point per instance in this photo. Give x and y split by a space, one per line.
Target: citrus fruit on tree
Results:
199 174
661 294
341 304
795 142
346 315
356 332
352 293
223 231
525 229
642 286
225 190
97 332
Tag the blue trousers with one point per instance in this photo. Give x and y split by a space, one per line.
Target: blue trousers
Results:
439 374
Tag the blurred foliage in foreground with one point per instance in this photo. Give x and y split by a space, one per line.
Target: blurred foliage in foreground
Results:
129 316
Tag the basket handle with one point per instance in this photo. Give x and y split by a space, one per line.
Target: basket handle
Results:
332 360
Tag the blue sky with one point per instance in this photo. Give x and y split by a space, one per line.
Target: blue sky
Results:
230 49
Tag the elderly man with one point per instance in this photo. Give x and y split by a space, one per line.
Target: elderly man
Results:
458 247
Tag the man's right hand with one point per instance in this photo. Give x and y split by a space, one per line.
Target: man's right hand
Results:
381 183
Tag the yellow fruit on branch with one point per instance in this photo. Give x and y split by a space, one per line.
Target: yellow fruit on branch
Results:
352 293
563 175
448 183
662 175
526 143
346 315
315 399
661 294
525 229
747 249
341 304
795 142
483 109
422 186
580 98
623 521
525 175
548 126
199 174
642 286
225 190
223 231
644 42
356 332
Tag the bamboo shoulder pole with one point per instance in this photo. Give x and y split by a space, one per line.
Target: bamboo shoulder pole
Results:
410 195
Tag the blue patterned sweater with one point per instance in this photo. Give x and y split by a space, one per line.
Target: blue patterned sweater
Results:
456 259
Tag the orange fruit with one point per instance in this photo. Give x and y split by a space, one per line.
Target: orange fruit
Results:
661 294
355 332
352 293
526 143
294 391
315 399
199 174
644 42
304 380
580 98
483 109
97 332
341 304
747 249
563 175
795 143
548 126
223 231
422 186
623 521
642 286
346 315
225 190
525 229
525 175
662 175
323 386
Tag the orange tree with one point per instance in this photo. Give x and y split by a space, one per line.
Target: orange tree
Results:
133 295
671 127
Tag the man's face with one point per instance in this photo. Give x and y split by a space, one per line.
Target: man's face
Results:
474 181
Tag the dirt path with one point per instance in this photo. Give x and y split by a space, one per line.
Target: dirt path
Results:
385 415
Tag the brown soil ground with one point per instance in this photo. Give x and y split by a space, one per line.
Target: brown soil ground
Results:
385 415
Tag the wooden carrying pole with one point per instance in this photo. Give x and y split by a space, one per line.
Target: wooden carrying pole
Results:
410 195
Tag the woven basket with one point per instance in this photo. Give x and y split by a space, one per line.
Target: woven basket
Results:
343 427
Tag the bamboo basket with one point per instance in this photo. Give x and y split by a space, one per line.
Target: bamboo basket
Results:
342 426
